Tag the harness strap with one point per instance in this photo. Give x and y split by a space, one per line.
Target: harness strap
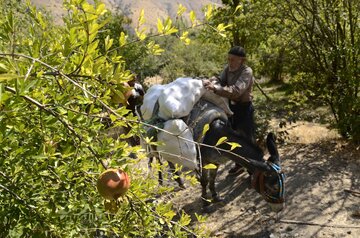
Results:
258 182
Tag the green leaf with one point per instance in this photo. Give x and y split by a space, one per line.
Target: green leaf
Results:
113 117
28 85
108 43
210 166
200 218
170 214
3 95
3 68
184 219
7 77
221 140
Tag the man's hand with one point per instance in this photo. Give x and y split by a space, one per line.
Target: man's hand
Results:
209 85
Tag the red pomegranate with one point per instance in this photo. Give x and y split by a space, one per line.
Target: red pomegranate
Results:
113 183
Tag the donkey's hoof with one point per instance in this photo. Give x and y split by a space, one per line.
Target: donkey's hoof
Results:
205 202
182 186
217 199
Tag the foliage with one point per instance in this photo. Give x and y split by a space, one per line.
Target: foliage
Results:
58 84
327 59
194 60
315 43
57 87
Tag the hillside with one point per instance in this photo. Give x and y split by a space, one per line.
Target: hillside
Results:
153 8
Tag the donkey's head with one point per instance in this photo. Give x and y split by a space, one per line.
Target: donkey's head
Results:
267 177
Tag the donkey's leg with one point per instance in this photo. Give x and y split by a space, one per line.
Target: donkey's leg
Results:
160 175
212 178
177 174
204 182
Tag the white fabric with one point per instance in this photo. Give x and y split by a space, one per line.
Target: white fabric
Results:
177 150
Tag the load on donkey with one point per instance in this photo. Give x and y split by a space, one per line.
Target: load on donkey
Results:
192 126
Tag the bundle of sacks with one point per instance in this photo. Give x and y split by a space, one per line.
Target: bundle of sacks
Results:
171 102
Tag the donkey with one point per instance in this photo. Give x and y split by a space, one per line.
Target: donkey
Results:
266 175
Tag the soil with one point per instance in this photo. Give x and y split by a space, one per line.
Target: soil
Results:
322 192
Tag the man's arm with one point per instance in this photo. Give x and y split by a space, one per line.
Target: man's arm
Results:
234 92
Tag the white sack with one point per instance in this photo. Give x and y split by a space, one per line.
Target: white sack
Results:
150 98
179 97
219 101
184 151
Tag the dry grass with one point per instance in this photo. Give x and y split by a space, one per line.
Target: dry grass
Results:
303 132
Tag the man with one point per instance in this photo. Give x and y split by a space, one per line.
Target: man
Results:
235 83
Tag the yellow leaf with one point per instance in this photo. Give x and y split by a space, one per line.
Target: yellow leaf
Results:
101 9
141 17
238 8
233 145
122 39
210 166
140 34
160 26
208 12
193 18
184 38
205 129
181 10
221 140
171 31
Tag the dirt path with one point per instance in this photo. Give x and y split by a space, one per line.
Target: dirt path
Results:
322 187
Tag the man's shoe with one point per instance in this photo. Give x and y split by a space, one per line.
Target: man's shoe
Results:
237 169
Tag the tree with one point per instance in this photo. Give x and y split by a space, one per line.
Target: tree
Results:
57 85
257 26
327 59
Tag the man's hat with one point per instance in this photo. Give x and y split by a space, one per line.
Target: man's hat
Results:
238 51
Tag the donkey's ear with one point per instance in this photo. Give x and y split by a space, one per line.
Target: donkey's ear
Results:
272 148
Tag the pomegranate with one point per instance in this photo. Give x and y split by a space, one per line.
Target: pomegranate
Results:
113 183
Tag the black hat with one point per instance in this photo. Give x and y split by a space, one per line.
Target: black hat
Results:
238 51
